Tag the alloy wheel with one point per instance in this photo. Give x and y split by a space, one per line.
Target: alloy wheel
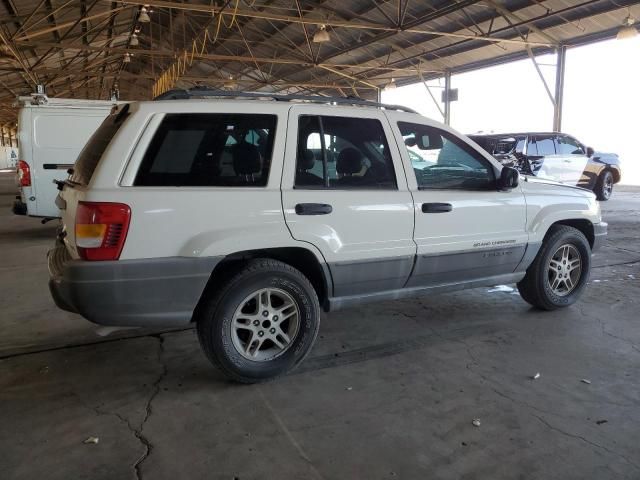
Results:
565 270
607 187
265 324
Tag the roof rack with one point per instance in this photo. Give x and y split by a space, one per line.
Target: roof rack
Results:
185 94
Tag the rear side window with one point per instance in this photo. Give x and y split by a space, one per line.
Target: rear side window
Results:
98 142
343 153
209 150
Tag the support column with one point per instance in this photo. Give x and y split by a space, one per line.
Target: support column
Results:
447 100
559 93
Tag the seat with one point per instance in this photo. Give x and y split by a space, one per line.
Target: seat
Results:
247 161
306 161
350 161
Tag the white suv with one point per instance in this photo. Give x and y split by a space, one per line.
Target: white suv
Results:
250 215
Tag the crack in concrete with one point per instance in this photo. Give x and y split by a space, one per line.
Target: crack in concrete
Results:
587 441
632 262
92 343
474 361
139 432
624 249
608 333
489 380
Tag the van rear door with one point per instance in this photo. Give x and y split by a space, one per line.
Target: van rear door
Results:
58 135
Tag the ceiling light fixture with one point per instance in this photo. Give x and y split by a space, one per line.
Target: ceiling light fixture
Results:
134 40
321 35
144 16
628 29
127 58
391 85
230 84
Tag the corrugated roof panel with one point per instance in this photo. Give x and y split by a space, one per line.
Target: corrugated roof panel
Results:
268 44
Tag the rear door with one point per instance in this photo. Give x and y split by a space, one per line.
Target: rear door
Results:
465 229
58 137
344 190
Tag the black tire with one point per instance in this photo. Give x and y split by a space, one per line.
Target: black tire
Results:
214 325
535 288
604 186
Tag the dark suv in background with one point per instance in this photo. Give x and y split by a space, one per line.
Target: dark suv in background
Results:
555 156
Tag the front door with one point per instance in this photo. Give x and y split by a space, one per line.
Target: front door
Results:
542 150
344 191
465 229
574 158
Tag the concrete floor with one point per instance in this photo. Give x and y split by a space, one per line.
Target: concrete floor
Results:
389 391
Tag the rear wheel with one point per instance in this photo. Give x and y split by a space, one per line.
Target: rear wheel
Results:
262 323
558 275
604 186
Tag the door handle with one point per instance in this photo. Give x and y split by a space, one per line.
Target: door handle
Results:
57 166
436 207
313 209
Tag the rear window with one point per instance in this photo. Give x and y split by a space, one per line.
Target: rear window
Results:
206 150
98 142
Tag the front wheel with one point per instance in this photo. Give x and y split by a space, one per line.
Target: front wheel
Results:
262 323
604 186
558 275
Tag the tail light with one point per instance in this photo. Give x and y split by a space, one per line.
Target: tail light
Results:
101 229
24 174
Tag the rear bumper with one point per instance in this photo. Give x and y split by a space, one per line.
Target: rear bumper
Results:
143 293
599 235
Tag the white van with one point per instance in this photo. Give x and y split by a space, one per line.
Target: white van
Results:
51 133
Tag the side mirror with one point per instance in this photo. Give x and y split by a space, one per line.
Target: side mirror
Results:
590 152
509 178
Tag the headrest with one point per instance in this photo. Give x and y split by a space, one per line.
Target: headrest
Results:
306 159
246 159
349 161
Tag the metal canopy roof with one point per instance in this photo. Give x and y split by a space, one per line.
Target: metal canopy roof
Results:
87 48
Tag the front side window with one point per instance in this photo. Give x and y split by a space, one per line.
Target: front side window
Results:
545 146
342 153
206 150
568 146
440 160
